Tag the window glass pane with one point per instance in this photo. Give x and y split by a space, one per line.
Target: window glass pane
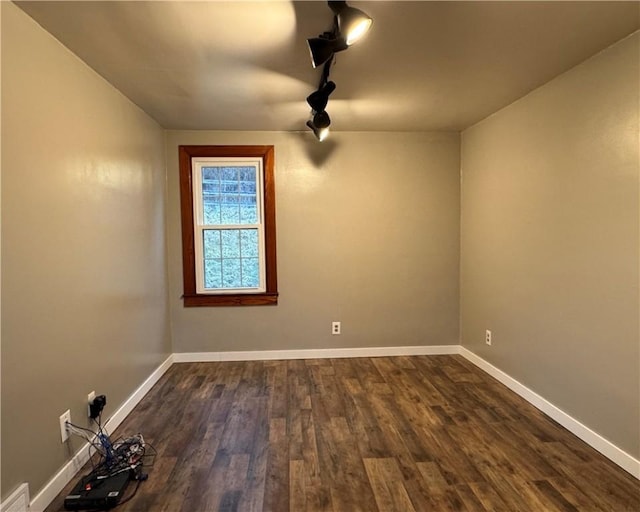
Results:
230 176
247 196
211 176
212 211
229 212
250 272
211 244
248 213
231 243
229 186
211 194
213 273
249 243
231 273
248 179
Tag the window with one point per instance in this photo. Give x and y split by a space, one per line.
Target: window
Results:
227 198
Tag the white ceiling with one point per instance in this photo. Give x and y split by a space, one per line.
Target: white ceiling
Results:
245 65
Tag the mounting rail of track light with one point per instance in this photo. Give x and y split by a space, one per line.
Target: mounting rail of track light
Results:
349 25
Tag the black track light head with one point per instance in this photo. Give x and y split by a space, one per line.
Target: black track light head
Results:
352 23
322 48
320 133
318 100
337 7
321 119
320 125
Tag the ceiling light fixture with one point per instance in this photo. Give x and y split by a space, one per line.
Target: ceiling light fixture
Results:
318 100
323 47
349 25
321 132
352 22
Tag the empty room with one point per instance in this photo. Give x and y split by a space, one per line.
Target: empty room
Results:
320 256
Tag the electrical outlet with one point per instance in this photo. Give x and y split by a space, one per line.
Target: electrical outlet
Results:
64 433
90 398
487 337
335 327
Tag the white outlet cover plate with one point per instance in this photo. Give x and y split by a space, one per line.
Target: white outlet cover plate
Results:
64 433
90 398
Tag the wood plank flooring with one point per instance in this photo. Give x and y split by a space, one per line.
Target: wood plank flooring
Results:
405 434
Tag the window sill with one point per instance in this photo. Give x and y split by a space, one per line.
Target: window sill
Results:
232 299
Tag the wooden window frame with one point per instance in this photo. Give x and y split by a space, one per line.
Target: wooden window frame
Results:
191 297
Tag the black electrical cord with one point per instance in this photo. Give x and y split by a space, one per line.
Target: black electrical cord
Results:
81 428
128 454
118 456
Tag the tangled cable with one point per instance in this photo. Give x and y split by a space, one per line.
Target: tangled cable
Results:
124 454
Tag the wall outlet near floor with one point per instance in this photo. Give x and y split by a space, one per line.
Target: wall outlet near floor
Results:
90 398
64 433
335 327
487 337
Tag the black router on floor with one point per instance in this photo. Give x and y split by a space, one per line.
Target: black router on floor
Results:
102 494
104 487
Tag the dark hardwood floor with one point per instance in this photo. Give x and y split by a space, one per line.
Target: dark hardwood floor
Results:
422 433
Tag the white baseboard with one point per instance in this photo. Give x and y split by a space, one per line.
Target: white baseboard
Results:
320 353
42 500
18 501
123 411
593 439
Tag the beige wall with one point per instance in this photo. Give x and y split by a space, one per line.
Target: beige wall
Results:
368 234
550 227
83 268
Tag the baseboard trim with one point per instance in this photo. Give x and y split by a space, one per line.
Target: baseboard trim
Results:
593 439
321 353
125 409
48 493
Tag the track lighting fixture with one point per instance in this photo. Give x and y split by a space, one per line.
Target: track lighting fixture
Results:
318 100
323 47
352 22
321 119
349 25
320 133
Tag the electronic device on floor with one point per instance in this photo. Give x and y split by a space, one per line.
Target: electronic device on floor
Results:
100 493
114 465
